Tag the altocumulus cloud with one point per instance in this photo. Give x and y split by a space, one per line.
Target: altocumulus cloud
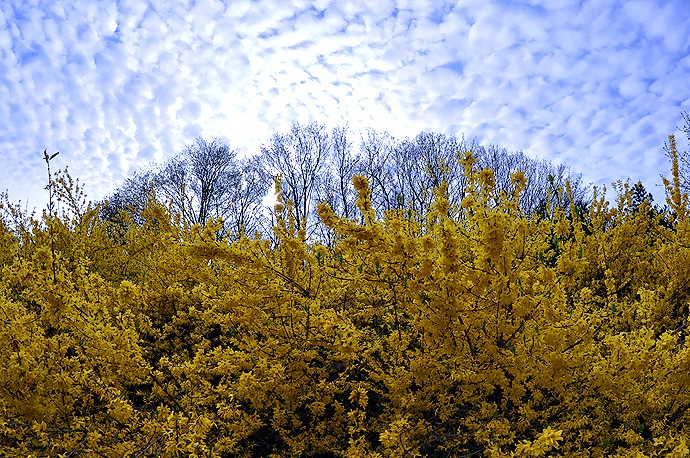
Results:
115 85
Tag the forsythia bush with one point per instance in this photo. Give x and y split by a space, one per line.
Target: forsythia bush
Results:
470 331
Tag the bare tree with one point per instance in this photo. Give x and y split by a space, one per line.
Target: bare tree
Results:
171 183
243 206
376 163
131 198
344 165
198 183
207 180
546 182
336 182
423 164
213 175
299 157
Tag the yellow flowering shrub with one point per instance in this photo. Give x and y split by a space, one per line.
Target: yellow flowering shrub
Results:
469 330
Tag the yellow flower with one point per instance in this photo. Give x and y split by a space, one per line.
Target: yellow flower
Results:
487 180
519 180
360 182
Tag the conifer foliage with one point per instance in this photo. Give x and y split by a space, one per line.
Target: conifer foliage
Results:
474 328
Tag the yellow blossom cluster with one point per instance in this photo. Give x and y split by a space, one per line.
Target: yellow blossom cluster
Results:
469 331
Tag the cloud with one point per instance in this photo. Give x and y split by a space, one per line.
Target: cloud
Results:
115 85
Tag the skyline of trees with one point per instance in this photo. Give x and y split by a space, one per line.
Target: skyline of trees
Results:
207 179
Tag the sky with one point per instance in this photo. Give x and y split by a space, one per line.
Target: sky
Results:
116 85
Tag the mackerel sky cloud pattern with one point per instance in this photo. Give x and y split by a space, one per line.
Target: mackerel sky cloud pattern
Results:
115 85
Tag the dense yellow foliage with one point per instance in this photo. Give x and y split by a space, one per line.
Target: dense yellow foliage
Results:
474 330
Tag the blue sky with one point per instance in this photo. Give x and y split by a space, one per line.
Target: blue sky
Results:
114 85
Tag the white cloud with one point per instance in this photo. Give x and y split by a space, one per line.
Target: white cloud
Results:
114 85
632 86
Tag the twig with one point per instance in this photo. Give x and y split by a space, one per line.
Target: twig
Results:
151 444
679 328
